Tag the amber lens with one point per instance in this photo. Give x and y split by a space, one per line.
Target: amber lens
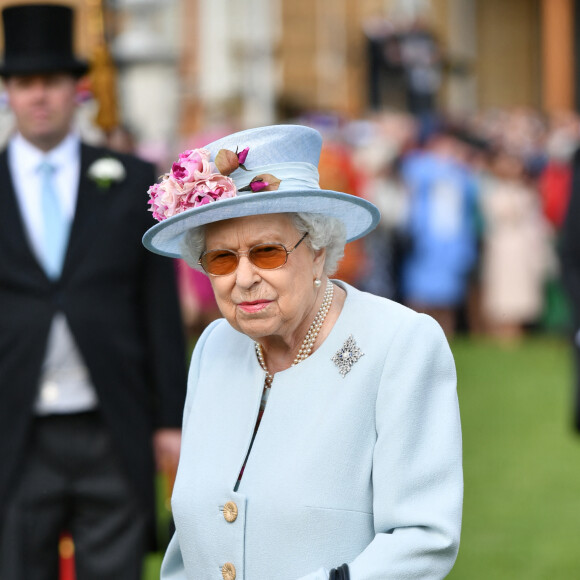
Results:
264 256
219 262
268 256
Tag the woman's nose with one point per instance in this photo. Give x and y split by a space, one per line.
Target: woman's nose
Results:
246 273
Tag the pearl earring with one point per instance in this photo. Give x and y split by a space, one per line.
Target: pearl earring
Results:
317 283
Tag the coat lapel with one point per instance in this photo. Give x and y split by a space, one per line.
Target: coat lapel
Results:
89 213
12 227
87 224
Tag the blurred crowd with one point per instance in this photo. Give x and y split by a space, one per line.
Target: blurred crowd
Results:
471 213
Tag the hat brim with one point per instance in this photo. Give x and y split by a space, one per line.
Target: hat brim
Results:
359 216
15 66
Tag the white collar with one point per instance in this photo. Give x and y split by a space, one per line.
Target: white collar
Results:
30 156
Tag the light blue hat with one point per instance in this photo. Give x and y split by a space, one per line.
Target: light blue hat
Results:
290 153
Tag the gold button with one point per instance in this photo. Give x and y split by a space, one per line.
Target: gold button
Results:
229 571
230 511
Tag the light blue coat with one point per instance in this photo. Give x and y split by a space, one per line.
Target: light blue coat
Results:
364 469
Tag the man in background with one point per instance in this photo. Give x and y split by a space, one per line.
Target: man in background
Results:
92 363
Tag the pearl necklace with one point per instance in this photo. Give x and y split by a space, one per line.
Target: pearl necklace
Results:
309 339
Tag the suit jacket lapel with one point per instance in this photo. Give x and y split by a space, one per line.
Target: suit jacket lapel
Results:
12 227
89 213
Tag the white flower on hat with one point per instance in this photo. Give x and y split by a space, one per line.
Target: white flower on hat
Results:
106 171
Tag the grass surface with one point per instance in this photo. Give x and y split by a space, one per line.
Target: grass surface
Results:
521 463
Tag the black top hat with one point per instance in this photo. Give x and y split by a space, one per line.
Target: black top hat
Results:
38 39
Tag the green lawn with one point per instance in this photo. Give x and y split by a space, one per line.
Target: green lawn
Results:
521 460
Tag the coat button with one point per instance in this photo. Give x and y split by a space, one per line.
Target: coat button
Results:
230 512
229 571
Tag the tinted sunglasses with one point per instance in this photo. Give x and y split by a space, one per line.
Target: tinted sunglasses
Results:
263 256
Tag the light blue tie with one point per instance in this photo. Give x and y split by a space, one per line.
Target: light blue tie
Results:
56 225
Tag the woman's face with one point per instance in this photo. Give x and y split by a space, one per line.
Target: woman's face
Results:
266 303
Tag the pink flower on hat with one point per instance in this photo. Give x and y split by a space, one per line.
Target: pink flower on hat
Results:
165 198
195 181
192 182
192 164
211 189
242 155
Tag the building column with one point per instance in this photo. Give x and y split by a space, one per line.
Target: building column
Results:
557 21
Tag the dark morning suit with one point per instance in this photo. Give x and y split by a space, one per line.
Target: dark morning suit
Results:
570 256
121 306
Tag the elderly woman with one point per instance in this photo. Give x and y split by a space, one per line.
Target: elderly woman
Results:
321 434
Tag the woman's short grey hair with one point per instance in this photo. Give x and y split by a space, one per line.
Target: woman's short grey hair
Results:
323 232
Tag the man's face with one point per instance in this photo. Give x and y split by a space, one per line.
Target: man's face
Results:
44 106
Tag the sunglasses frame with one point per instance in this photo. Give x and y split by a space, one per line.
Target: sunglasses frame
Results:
247 253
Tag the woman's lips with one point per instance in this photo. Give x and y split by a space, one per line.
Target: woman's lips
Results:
254 306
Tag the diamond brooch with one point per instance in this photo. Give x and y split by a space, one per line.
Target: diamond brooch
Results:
347 355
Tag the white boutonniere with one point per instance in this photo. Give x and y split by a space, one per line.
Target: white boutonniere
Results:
106 171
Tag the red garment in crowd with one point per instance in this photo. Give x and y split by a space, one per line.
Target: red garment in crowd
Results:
554 185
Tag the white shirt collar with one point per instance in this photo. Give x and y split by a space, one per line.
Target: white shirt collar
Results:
23 161
30 157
